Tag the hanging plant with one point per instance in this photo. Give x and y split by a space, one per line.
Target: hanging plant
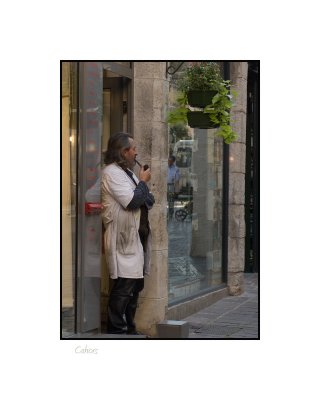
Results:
198 119
202 86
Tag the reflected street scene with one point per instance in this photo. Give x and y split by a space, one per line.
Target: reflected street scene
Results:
194 209
194 215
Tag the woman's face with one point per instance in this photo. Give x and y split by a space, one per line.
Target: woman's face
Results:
131 154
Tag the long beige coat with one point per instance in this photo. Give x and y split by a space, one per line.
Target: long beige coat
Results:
123 247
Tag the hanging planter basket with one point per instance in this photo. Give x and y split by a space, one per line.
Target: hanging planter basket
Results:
200 98
198 119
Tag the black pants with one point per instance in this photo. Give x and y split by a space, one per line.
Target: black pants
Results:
123 303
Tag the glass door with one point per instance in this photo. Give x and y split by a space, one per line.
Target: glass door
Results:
69 109
89 219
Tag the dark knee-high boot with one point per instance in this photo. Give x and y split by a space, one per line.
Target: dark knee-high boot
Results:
132 306
116 310
131 312
120 296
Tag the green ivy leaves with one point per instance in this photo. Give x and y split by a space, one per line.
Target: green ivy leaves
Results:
206 76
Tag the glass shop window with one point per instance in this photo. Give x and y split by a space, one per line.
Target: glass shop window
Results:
194 208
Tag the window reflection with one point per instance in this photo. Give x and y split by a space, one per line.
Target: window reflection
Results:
194 210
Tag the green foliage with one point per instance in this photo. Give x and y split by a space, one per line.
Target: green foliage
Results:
206 76
180 131
219 112
179 114
200 76
226 132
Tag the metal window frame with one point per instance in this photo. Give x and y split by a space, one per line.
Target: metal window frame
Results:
252 217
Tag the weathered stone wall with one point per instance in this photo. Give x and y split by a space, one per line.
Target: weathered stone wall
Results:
151 90
237 169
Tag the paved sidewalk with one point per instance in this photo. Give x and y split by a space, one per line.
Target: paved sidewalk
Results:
234 317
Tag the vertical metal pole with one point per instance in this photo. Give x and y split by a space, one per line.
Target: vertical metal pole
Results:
225 201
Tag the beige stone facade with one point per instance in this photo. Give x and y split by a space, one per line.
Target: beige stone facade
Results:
237 169
151 90
150 132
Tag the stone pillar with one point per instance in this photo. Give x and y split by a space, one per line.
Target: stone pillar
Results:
151 90
237 169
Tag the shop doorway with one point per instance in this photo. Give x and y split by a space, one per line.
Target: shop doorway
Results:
117 117
96 103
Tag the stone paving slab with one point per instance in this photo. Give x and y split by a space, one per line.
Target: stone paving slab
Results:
233 317
95 336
